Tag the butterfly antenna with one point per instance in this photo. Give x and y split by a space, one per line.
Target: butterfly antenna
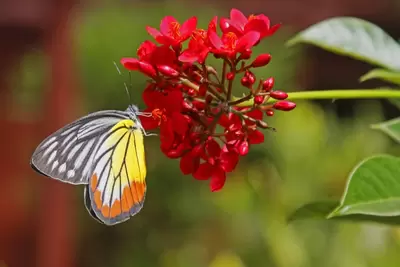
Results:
126 87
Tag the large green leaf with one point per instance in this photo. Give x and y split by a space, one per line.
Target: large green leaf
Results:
391 128
355 38
372 194
322 209
382 74
373 188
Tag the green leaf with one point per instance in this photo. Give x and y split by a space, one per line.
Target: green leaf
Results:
372 194
355 38
390 127
321 210
372 189
382 74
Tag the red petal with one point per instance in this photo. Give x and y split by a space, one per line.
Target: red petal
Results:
163 55
228 25
273 29
213 148
188 26
212 25
203 172
189 163
229 160
238 17
148 123
224 121
167 135
145 49
256 137
179 123
166 23
130 63
188 57
255 114
218 179
172 102
248 41
153 32
215 40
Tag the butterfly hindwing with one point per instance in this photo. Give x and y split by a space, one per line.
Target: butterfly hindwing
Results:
67 154
117 186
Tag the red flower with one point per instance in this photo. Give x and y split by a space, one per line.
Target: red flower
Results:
198 48
231 44
188 102
240 25
166 107
219 162
151 58
172 32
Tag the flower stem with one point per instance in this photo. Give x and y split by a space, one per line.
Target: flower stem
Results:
336 94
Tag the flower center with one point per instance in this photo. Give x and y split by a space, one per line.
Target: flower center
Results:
174 30
199 35
230 39
251 17
159 115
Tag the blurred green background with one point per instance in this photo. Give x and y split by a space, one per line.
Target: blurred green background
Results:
183 224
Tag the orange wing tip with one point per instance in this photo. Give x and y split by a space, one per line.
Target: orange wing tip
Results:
130 203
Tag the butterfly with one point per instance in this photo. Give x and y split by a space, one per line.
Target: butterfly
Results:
105 152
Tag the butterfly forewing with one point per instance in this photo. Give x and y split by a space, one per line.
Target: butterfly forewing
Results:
117 186
67 154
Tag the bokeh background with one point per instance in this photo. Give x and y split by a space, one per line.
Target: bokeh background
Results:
56 63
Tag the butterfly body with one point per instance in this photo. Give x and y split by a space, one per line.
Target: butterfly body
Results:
104 151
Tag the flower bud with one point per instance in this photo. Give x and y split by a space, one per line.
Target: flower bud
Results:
251 77
268 84
269 112
261 60
245 82
167 71
147 69
243 148
230 76
280 95
284 105
130 63
245 54
259 99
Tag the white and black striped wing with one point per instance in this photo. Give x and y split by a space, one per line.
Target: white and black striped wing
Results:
67 154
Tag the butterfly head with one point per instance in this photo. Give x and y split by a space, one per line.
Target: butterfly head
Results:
134 112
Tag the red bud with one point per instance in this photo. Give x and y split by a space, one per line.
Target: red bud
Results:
251 77
230 76
259 99
245 82
261 60
243 148
147 69
284 105
167 71
280 95
245 54
268 84
130 63
269 112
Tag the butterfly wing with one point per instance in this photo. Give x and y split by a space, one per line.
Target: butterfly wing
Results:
67 155
117 185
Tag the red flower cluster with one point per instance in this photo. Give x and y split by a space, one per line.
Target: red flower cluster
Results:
192 104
